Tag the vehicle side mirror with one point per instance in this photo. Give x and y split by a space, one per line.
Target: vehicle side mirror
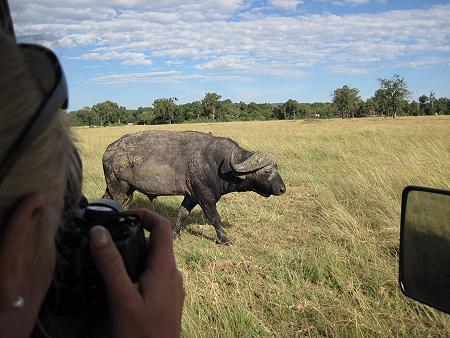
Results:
424 273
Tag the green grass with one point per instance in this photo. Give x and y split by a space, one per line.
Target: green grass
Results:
320 260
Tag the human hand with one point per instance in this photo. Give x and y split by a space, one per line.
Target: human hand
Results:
152 307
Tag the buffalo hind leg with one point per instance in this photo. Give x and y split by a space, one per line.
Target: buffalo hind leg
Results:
210 210
151 197
185 209
119 191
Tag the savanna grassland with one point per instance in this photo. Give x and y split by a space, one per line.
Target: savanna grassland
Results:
321 260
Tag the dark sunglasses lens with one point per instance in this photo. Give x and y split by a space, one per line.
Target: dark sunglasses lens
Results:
44 66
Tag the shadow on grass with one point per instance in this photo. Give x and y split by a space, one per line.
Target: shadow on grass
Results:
200 234
394 250
169 211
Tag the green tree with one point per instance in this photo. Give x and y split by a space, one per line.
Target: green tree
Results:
381 102
191 110
423 105
228 110
140 111
413 108
142 115
442 105
370 107
291 109
86 116
108 112
165 110
73 119
121 115
131 115
146 117
210 103
431 100
346 100
278 112
259 111
396 91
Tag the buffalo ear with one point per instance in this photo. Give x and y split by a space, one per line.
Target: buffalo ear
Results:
226 169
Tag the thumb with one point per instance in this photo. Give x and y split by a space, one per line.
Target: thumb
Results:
109 263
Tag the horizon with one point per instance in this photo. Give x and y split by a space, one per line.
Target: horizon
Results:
133 52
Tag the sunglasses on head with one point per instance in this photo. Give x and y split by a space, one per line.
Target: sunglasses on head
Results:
48 73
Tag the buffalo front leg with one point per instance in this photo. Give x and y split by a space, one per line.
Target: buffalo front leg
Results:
186 207
213 216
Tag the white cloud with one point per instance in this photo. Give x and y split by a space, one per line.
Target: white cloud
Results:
160 77
208 36
174 62
128 58
347 70
423 63
350 2
239 64
135 77
285 4
228 62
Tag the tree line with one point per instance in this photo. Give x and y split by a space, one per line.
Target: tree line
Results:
391 99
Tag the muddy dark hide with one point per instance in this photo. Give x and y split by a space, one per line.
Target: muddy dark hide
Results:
199 166
267 181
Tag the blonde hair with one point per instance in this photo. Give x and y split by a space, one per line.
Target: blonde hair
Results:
47 163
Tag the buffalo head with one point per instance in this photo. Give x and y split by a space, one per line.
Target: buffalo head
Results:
260 172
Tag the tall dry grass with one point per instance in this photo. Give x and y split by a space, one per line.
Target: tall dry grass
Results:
320 260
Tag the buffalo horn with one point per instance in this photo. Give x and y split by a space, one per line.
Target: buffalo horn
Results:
254 162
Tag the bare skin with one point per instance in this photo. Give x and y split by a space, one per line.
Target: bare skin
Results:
154 307
27 260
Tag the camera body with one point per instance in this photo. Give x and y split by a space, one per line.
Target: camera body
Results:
77 287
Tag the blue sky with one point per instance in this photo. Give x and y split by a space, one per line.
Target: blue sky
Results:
135 51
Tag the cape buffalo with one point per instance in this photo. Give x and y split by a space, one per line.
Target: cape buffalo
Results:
199 166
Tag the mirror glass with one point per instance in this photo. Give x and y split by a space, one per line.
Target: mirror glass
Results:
425 247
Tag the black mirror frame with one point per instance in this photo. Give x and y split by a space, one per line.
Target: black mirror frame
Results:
6 24
405 193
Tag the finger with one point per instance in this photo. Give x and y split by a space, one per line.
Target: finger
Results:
109 263
148 218
161 241
161 238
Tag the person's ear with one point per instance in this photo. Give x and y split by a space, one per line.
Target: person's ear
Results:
16 237
17 282
27 211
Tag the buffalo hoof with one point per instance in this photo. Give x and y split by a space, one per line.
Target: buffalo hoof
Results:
224 241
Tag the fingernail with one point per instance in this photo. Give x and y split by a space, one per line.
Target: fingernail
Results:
99 236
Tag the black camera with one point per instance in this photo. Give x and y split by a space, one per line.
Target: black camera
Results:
77 288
